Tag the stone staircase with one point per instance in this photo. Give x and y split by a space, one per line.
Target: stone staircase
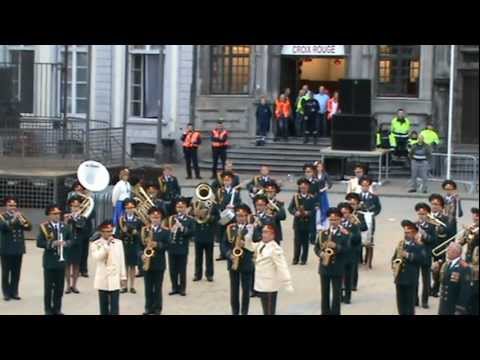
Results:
289 157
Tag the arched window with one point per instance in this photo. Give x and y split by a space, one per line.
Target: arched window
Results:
398 70
230 69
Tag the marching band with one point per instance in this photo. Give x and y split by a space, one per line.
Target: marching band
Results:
153 222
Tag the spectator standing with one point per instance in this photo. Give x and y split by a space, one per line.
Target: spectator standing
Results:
311 109
263 115
282 114
420 155
333 107
322 99
299 113
400 128
191 141
219 138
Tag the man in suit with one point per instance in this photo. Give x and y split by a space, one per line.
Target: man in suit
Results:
238 236
54 236
111 273
369 203
271 270
12 247
455 280
332 267
224 199
170 190
437 205
181 228
302 207
158 239
409 255
429 238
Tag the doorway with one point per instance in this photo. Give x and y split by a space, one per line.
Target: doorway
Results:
23 62
314 72
469 128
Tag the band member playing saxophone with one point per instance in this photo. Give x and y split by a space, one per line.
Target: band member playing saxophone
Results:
470 236
13 225
428 239
128 231
111 273
331 246
237 246
271 190
181 228
442 234
409 255
53 237
302 207
155 241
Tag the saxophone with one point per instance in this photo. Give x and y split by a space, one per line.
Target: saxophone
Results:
327 252
149 251
399 261
237 251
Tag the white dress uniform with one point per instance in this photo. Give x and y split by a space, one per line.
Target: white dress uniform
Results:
111 267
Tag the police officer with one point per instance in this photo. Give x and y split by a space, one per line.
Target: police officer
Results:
128 231
302 207
12 247
311 109
428 239
219 139
400 128
181 228
420 155
352 225
191 141
437 206
410 255
169 189
332 266
455 277
238 235
53 237
205 228
155 266
224 197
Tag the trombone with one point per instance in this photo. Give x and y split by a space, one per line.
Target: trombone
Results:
433 220
442 248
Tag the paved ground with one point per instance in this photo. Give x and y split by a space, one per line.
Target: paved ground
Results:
376 294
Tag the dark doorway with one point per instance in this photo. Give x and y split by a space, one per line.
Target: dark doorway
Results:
470 108
289 79
23 77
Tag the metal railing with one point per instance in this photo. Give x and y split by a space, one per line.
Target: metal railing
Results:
464 169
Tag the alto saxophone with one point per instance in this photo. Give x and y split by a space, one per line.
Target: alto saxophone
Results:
399 261
149 248
327 251
237 251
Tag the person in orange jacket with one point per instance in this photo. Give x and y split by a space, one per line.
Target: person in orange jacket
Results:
283 111
191 141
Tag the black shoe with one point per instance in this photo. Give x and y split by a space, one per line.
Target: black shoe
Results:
85 275
16 297
69 290
347 301
133 291
188 177
173 292
6 298
412 191
123 291
303 263
220 258
157 312
198 177
139 275
147 313
295 262
416 303
354 289
434 294
196 278
425 306
209 278
75 290
59 313
183 293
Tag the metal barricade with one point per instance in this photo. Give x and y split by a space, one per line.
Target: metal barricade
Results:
464 169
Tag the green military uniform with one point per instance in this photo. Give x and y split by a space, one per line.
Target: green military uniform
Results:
258 182
441 235
12 248
128 232
303 225
217 183
53 268
204 241
351 258
243 274
170 191
153 277
178 252
455 279
223 200
332 271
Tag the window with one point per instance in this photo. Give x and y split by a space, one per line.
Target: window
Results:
230 69
22 60
77 79
143 150
398 70
144 80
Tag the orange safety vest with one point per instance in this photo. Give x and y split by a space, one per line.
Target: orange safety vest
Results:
191 140
219 134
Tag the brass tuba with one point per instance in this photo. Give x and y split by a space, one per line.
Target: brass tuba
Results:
205 200
94 177
145 203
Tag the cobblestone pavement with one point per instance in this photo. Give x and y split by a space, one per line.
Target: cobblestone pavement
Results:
376 293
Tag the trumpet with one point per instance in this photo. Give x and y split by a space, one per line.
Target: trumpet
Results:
60 238
23 220
272 206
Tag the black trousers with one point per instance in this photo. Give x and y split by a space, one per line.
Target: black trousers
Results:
200 249
218 153
11 268
191 157
54 285
328 127
220 231
178 271
310 124
301 244
358 257
269 302
109 301
320 126
474 300
426 278
84 256
406 299
333 307
153 280
244 279
348 280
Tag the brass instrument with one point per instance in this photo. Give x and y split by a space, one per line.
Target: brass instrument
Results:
272 206
149 250
22 219
145 203
237 251
442 248
399 261
327 252
434 221
475 268
203 206
228 214
299 207
354 219
162 185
